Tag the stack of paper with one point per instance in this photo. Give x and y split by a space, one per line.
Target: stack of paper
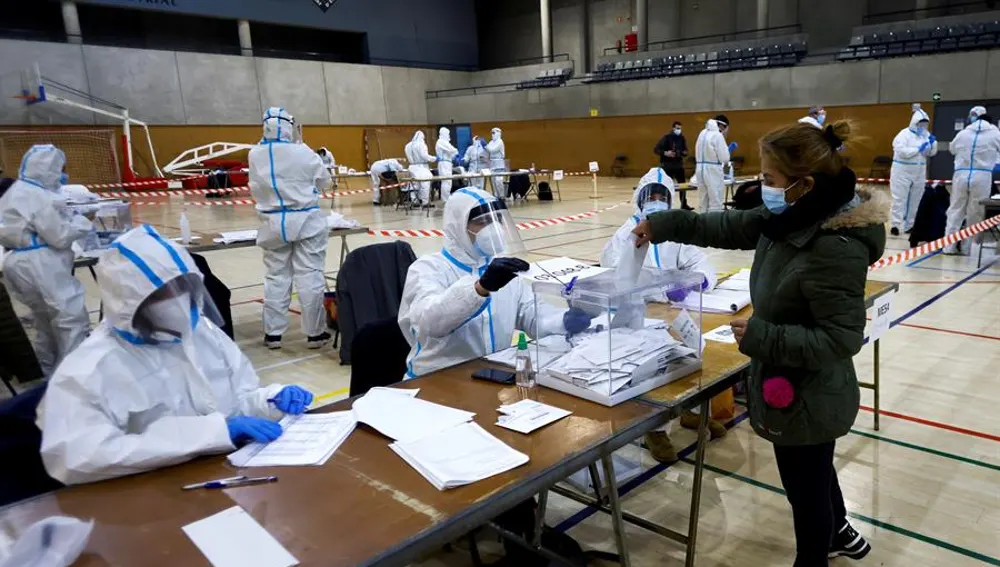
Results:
236 236
232 538
458 456
307 439
740 281
526 416
718 301
542 352
405 418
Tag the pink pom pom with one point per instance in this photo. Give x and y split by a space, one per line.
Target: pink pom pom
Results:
778 392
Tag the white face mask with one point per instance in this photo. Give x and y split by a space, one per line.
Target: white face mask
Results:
171 316
489 241
654 207
677 131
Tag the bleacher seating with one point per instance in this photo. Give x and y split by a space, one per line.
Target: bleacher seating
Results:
735 59
923 41
547 79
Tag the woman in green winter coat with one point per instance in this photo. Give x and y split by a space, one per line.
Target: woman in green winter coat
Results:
814 238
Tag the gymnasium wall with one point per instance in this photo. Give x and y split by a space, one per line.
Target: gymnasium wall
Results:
570 144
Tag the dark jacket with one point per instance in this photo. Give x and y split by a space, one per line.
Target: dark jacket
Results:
370 288
808 291
674 142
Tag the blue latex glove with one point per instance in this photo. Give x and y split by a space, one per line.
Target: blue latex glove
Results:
678 295
923 147
733 146
242 427
932 139
576 320
996 167
292 399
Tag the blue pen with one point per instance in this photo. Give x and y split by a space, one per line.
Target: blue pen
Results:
232 483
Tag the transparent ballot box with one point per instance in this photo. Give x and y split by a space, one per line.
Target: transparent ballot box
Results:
635 342
111 218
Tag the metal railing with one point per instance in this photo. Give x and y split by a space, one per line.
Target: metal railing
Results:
929 12
716 38
557 58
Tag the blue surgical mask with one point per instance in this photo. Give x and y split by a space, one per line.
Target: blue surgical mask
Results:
821 118
654 207
64 178
677 131
774 198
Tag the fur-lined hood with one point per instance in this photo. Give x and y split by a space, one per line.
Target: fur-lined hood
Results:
873 209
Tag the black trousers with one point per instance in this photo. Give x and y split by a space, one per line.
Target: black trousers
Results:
676 172
812 489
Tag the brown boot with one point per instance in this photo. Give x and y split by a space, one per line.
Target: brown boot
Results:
691 420
660 447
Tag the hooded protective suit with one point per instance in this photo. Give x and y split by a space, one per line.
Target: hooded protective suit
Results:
667 255
911 148
293 235
446 154
977 151
443 317
498 161
124 402
378 168
38 229
476 158
420 160
711 154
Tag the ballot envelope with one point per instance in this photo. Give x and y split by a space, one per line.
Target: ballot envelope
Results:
636 340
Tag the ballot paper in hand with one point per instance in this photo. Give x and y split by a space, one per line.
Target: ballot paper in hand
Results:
307 439
723 334
232 538
561 270
459 455
630 264
405 418
526 416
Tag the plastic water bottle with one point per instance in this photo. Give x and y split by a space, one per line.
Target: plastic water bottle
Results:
525 376
185 229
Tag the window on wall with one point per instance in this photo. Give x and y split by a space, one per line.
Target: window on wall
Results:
34 20
274 40
101 25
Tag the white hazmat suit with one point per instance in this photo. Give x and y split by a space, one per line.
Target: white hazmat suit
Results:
38 229
911 148
446 154
711 154
420 160
977 151
378 168
293 235
498 162
476 158
124 402
443 317
665 256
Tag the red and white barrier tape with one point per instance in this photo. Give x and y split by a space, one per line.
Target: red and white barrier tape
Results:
924 249
139 183
886 180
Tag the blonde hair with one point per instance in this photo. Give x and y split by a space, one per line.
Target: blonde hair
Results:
800 150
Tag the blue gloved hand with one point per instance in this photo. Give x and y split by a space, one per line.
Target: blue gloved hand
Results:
292 399
923 147
501 271
932 139
678 295
733 146
243 427
576 320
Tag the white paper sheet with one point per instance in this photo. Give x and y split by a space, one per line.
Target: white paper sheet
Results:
526 416
307 439
718 301
459 455
723 334
236 236
232 538
405 418
630 264
734 285
561 270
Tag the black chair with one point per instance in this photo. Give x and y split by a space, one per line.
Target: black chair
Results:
880 167
895 45
967 37
724 62
378 356
23 475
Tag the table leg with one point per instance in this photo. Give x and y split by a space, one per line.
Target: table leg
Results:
558 191
344 249
616 511
543 501
699 470
875 388
595 479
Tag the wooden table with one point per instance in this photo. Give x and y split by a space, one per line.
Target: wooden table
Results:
365 506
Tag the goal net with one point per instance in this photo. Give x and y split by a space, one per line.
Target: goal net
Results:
91 155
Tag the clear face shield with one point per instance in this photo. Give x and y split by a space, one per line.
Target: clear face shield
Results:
653 198
172 312
493 232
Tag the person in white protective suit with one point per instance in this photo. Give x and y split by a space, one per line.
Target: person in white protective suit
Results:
380 168
816 117
911 148
655 193
465 301
158 382
285 178
446 154
498 162
711 155
39 230
329 162
476 158
420 160
977 151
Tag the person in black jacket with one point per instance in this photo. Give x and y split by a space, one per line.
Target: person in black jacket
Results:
671 151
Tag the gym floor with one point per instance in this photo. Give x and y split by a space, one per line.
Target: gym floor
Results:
925 490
